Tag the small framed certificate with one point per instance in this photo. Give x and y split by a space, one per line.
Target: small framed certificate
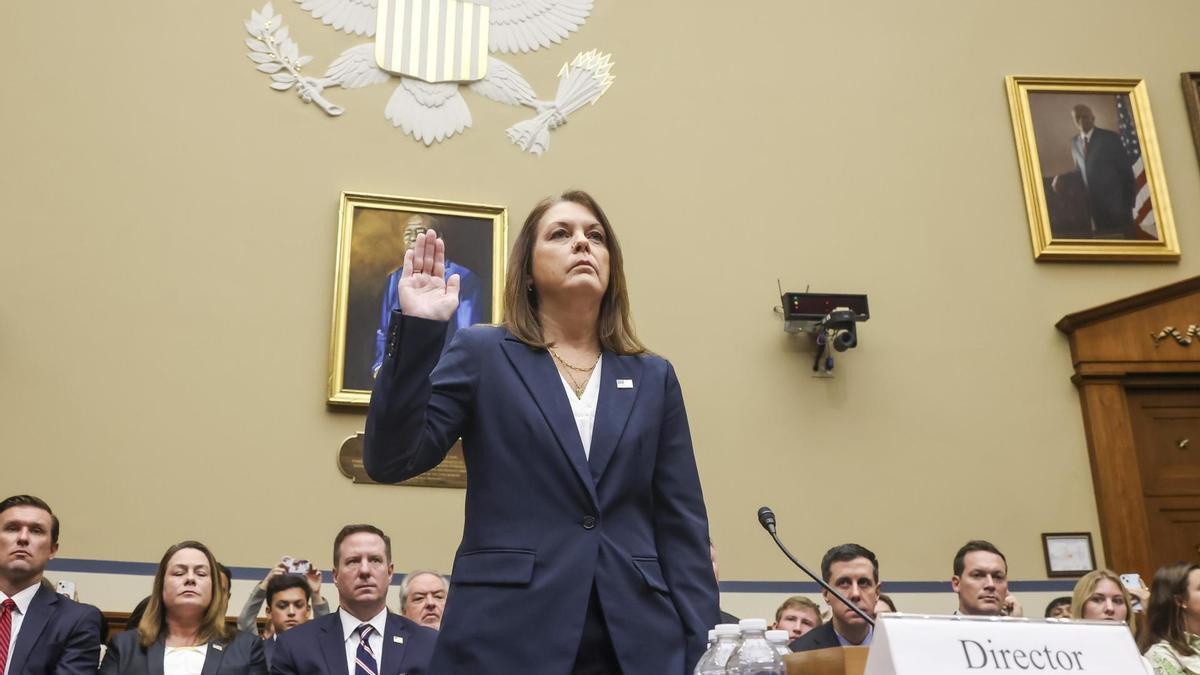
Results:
1068 554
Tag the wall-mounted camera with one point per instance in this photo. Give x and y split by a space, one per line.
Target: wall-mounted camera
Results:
830 318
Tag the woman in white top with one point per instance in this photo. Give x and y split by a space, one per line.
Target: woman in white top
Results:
183 631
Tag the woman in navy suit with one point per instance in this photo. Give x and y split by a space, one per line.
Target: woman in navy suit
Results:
585 541
183 631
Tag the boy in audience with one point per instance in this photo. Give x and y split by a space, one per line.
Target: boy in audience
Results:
854 571
797 615
1059 608
289 599
981 581
248 618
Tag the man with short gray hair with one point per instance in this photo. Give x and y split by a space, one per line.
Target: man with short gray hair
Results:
423 597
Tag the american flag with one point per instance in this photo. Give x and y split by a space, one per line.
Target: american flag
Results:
1144 220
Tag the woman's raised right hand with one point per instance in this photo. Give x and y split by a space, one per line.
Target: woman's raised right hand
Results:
423 290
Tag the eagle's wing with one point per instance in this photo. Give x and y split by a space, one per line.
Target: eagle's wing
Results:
428 111
526 25
351 16
355 68
504 84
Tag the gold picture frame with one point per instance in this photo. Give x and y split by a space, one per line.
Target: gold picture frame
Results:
1121 212
370 251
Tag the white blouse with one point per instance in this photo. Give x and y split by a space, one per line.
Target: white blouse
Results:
184 660
585 408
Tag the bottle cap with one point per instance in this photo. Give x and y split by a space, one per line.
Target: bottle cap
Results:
752 624
727 629
780 636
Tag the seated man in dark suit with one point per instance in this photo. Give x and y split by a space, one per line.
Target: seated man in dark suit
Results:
49 632
362 636
289 602
981 581
854 572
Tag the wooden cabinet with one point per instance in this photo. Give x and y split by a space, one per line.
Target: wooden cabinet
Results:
1140 396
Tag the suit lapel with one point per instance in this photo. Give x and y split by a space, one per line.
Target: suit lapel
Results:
541 378
41 607
333 645
212 658
154 657
393 652
613 408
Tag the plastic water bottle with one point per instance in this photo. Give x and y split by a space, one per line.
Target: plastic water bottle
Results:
754 655
714 660
779 640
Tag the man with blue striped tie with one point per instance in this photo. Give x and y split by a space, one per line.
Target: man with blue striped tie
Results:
362 637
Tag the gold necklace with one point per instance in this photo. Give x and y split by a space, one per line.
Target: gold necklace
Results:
577 368
575 385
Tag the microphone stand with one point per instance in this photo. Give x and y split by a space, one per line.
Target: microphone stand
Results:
766 518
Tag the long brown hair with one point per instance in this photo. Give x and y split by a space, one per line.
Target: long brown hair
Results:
1164 617
154 622
1086 586
615 326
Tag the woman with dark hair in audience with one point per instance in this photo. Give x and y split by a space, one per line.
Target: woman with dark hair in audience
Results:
1170 640
184 629
1100 596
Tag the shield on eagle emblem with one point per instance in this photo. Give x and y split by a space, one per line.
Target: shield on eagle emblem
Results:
433 40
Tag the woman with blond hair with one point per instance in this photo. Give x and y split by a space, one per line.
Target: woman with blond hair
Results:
585 528
183 631
1171 640
1100 596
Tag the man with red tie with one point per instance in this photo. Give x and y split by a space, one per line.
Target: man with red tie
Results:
41 632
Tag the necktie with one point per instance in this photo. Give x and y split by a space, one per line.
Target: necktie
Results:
364 658
6 610
1085 146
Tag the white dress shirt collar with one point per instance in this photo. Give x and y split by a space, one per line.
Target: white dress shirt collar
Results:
350 624
23 597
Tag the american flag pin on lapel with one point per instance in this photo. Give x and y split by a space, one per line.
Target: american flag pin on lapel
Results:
397 639
218 647
624 384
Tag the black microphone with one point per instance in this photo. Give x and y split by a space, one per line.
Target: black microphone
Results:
766 518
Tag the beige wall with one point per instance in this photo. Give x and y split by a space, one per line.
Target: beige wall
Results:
170 223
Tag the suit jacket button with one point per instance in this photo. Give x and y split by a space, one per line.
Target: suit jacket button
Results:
588 522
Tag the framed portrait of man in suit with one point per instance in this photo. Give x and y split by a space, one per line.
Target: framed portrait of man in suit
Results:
1090 169
374 231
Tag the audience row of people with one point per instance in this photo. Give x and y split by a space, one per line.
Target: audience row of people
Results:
181 628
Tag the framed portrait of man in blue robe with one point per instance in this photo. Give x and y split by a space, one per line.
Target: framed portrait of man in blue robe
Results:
374 231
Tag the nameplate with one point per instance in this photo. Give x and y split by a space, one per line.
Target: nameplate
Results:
911 644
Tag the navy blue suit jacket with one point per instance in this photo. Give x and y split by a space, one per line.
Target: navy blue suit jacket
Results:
241 655
821 637
58 635
543 523
318 648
